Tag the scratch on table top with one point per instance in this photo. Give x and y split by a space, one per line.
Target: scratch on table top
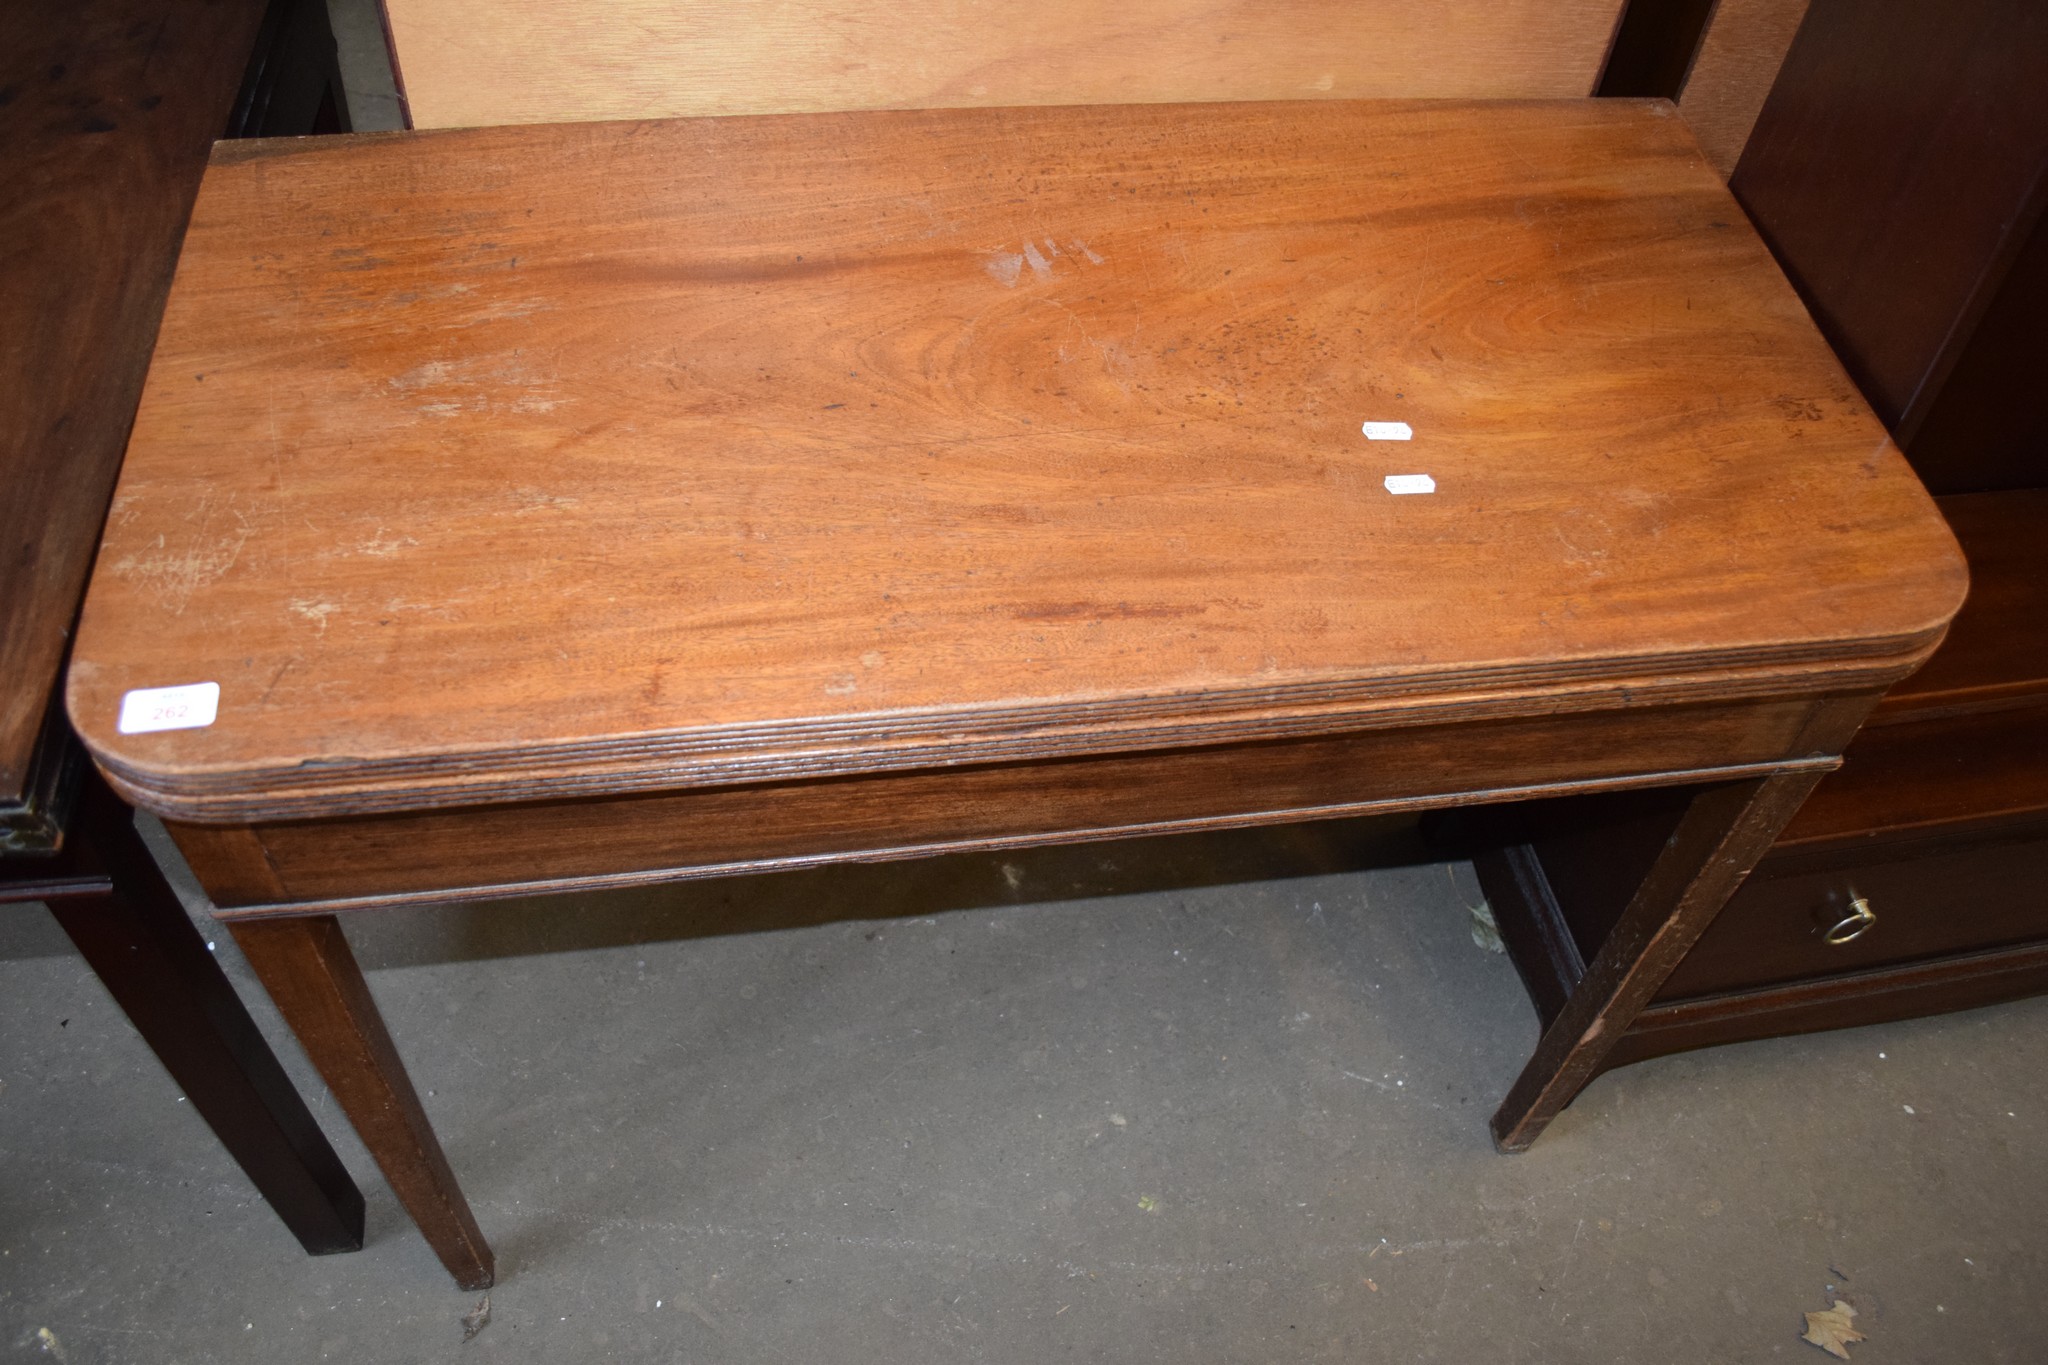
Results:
382 544
527 499
508 382
314 609
175 575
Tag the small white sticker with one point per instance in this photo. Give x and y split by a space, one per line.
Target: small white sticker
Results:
187 707
1398 484
1388 431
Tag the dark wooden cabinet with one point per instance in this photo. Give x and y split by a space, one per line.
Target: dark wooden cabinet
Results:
1899 172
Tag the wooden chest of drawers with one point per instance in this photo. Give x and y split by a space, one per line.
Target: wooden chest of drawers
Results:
1913 881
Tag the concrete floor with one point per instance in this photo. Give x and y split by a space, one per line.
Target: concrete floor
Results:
1195 1099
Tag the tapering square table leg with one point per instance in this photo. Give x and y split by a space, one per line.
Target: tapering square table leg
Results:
1717 841
307 967
128 924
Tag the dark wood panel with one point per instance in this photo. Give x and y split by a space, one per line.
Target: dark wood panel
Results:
905 813
1950 770
1719 835
107 109
1653 48
1775 989
1895 170
1531 924
1836 1002
135 933
34 815
1932 905
1988 427
1939 815
293 82
1560 872
1996 652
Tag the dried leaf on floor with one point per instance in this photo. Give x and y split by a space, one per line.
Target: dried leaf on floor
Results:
1831 1330
477 1318
1485 932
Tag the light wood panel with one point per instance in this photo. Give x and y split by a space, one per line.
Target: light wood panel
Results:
1738 58
473 62
516 463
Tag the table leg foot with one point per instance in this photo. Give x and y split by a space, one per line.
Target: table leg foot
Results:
307 967
1718 840
157 967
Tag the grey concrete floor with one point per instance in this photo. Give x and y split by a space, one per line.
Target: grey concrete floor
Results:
1196 1099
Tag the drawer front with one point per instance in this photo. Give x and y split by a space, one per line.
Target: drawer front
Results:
1777 927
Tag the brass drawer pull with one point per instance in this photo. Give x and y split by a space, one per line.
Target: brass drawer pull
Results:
1851 926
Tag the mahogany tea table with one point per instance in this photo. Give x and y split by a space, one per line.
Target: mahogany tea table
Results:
557 507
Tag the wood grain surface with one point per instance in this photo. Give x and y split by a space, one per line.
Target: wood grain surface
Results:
475 62
1955 771
1738 58
107 109
306 966
630 840
543 460
1996 651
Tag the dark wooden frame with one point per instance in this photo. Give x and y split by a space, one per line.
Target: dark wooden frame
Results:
109 111
111 898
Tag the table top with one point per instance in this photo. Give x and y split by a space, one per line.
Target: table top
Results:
530 462
108 112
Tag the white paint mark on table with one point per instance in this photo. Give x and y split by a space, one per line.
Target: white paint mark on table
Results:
1401 484
1388 431
189 706
313 609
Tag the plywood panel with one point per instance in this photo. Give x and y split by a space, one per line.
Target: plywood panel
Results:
1738 59
471 62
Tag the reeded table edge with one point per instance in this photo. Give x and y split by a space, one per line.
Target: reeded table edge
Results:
947 738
